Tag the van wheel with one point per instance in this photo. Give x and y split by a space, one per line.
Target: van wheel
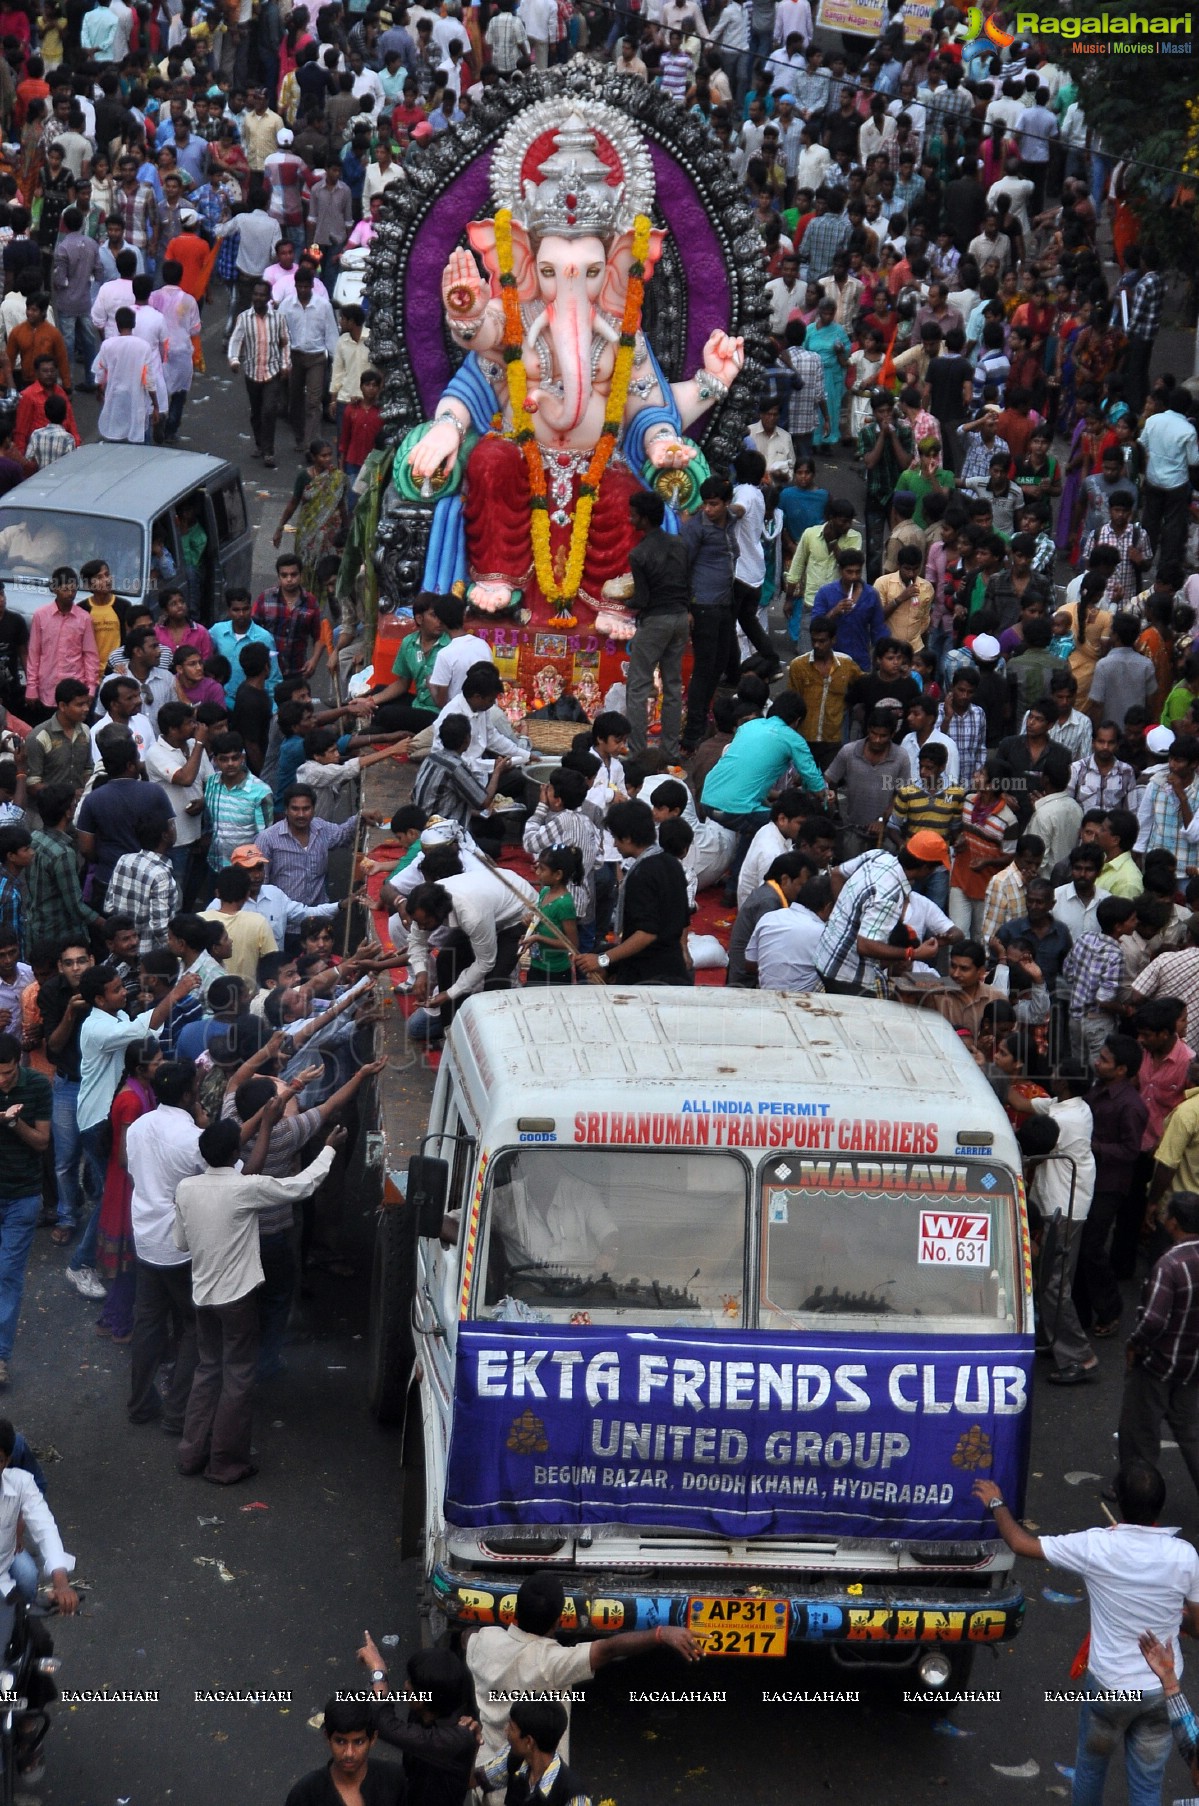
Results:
392 1350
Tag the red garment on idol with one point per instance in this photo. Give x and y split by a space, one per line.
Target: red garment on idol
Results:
499 544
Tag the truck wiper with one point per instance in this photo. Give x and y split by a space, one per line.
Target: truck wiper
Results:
864 1304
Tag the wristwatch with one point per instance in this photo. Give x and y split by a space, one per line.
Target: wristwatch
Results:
996 1504
378 1676
603 961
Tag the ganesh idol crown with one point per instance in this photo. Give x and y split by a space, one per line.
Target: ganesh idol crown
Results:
566 300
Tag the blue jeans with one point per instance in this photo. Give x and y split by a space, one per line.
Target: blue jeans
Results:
25 1574
67 1150
18 1220
1144 1729
80 335
93 1190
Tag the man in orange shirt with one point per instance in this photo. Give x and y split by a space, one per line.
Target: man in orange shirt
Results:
31 87
194 254
35 340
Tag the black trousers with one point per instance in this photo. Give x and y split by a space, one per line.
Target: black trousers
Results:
712 640
1130 1214
457 954
1164 516
402 717
162 1303
265 401
1096 1294
745 604
1136 372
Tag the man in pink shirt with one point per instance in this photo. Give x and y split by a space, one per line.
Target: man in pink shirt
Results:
62 643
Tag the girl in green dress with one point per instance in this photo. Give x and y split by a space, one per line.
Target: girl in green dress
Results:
556 870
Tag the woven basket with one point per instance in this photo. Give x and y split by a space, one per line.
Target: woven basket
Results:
551 736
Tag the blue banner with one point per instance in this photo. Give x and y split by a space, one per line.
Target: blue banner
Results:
737 1433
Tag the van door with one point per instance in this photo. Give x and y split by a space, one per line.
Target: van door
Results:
231 566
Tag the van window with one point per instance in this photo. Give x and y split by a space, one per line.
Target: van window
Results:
847 1240
34 541
229 508
625 1236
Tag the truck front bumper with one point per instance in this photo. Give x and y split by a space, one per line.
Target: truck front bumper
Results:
874 1616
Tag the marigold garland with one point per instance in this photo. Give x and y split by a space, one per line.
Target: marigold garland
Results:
560 595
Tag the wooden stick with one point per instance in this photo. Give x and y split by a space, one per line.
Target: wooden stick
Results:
594 978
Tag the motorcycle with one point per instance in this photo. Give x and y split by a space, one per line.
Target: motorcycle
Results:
26 1689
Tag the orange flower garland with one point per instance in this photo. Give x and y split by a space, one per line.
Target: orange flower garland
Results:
560 595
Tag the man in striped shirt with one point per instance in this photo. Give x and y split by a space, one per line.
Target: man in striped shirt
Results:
237 804
1168 803
871 893
963 722
260 348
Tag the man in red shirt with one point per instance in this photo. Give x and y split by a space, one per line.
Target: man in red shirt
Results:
360 426
31 409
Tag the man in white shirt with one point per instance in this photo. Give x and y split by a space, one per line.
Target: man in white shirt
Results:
1007 106
793 18
454 660
216 1221
120 698
768 437
161 1149
921 719
540 20
481 690
785 294
750 468
1142 1579
1076 904
22 1504
782 948
776 836
483 919
1062 1188
1018 190
178 761
526 1657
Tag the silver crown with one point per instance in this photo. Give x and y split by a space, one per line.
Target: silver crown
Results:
573 197
572 193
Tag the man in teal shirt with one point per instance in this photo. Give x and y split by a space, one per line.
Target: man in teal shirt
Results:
761 754
229 636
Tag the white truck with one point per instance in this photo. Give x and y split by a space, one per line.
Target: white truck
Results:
717 1303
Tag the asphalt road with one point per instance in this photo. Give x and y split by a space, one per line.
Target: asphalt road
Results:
269 1587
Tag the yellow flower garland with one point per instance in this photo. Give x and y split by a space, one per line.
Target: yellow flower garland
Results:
560 595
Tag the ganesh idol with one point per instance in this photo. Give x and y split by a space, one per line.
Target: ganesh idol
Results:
559 410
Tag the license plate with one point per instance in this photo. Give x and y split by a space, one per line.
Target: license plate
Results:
740 1627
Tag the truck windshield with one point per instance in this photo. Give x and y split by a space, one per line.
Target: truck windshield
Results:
609 1235
34 542
848 1241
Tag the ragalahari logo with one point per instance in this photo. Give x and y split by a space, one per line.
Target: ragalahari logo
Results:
979 27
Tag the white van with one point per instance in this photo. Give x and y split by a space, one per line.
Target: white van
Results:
738 1308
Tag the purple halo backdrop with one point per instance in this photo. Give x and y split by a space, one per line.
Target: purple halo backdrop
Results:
684 215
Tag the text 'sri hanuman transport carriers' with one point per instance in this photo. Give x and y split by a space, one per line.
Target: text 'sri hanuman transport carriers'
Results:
730 1308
